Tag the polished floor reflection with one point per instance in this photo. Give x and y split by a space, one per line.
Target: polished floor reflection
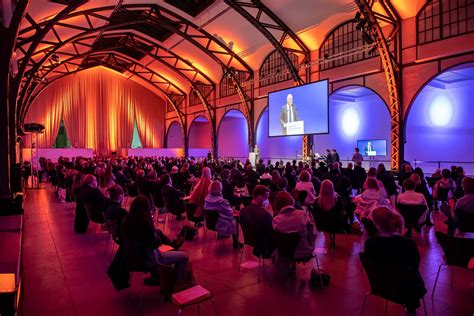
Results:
65 274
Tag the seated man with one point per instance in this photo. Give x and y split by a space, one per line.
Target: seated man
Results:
258 220
115 213
290 220
89 193
172 198
410 197
390 248
465 204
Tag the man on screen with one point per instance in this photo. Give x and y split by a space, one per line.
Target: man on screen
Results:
288 112
369 148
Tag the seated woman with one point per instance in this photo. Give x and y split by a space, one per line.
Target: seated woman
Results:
141 242
371 198
172 197
305 184
226 224
200 191
390 247
328 210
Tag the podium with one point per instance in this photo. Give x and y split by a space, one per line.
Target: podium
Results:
295 128
372 153
253 158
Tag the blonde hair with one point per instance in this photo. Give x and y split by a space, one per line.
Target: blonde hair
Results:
327 196
215 188
386 220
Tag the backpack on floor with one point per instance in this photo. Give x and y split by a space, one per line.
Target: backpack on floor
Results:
188 232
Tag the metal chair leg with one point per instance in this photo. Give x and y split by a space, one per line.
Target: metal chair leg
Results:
204 240
365 301
452 276
386 307
259 268
319 271
436 281
241 256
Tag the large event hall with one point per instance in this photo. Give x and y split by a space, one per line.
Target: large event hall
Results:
237 157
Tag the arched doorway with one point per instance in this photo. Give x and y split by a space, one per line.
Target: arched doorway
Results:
232 136
199 137
356 113
175 136
438 125
276 148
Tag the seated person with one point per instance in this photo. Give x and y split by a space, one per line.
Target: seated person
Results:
465 204
228 189
305 184
329 213
258 220
179 179
371 198
172 198
89 193
115 213
445 184
141 242
226 224
410 197
200 191
152 188
290 220
391 248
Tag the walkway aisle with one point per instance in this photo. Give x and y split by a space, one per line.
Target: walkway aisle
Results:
65 274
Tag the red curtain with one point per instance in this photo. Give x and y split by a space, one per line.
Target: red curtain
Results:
98 107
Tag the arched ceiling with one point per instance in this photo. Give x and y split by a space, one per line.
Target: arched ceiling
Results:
182 48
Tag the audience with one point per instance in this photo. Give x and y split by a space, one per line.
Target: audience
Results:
464 204
115 213
305 184
200 191
172 197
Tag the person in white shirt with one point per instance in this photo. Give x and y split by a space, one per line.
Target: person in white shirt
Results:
410 197
370 199
305 184
288 112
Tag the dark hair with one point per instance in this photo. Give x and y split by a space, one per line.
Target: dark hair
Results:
468 185
140 211
260 190
282 183
357 149
446 173
283 199
165 179
409 184
115 192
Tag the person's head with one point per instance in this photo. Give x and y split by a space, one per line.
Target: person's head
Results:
275 176
141 173
416 179
468 185
151 175
372 173
225 174
260 195
305 176
460 171
387 221
350 166
89 180
116 193
289 99
282 183
407 168
409 184
174 169
282 200
215 188
334 151
328 151
356 150
165 179
206 173
267 170
327 196
372 184
140 211
446 173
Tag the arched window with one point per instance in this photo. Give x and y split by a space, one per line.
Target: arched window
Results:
440 19
226 86
343 38
275 70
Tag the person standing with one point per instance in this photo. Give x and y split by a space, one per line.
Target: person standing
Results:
357 156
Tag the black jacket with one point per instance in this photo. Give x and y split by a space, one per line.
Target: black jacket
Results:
257 220
173 199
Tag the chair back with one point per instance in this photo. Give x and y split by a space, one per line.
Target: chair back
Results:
286 244
266 182
411 213
465 221
327 221
167 279
210 218
250 236
92 218
457 251
390 281
190 211
301 197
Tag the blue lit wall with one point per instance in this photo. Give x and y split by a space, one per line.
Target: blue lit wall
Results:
175 136
355 114
232 139
440 126
285 148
